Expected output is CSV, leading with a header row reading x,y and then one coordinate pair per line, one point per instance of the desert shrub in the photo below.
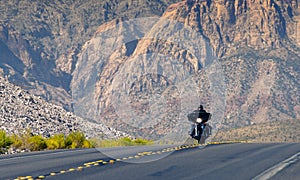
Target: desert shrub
x,y
75,140
125,141
37,143
140,141
5,140
94,142
27,140
16,141
87,144
56,142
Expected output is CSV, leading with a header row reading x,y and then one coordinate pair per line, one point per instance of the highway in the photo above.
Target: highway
x,y
225,161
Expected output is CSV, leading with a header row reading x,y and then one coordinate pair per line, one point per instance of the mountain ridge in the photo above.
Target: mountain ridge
x,y
256,44
260,74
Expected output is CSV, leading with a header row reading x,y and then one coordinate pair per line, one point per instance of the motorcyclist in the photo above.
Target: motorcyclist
x,y
194,126
201,109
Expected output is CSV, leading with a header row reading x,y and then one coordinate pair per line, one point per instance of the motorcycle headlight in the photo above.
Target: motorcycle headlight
x,y
199,120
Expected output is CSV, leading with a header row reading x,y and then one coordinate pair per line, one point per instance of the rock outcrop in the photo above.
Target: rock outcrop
x,y
138,72
231,25
140,75
46,37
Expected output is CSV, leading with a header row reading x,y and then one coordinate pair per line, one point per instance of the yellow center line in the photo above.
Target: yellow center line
x,y
138,155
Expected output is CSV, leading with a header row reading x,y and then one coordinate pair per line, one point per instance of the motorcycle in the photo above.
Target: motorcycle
x,y
200,129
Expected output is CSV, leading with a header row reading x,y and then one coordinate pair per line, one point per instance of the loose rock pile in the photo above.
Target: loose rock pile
x,y
20,110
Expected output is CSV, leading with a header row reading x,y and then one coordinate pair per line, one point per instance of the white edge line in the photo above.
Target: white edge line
x,y
42,154
267,174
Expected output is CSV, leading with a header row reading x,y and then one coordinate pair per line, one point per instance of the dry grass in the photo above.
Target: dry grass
x,y
279,131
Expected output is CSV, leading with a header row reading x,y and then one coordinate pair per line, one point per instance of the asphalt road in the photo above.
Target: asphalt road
x,y
227,161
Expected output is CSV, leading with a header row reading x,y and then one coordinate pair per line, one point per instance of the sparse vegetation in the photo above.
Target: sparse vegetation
x,y
56,142
5,141
77,140
126,141
37,143
28,141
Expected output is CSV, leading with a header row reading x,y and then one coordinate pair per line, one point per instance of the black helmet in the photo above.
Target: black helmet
x,y
201,107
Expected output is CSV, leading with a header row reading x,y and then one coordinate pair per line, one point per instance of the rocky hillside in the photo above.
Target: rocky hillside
x,y
39,41
143,80
240,58
21,110
212,52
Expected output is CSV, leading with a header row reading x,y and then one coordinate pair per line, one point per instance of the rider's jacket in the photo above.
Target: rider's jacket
x,y
199,114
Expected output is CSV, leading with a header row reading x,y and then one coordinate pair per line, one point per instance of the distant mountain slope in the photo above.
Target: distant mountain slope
x,y
257,43
46,36
243,57
260,66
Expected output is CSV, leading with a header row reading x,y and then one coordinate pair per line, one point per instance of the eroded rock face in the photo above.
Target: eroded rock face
x,y
230,25
24,66
141,75
258,45
42,39
258,90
